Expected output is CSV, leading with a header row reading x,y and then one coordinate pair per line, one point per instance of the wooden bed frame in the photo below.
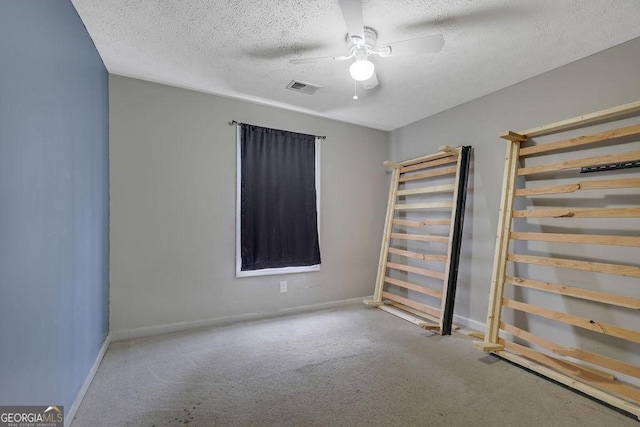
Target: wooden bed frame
x,y
587,371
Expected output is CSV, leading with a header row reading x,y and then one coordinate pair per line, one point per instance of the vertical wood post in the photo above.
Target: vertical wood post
x,y
388,226
502,240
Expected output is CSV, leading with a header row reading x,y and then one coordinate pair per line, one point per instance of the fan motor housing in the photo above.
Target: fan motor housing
x,y
370,38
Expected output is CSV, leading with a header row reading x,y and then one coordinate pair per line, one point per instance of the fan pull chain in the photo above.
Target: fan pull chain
x,y
355,90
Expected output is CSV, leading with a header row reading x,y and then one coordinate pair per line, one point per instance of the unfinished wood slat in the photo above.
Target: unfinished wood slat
x,y
583,185
581,140
426,205
427,190
584,120
555,189
578,213
417,288
423,257
570,319
420,237
445,151
413,304
414,311
597,359
549,346
574,370
429,164
590,239
567,380
595,267
403,315
417,270
514,137
577,163
424,175
610,183
586,294
391,164
425,223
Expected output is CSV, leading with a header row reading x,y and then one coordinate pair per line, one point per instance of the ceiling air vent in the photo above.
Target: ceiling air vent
x,y
307,88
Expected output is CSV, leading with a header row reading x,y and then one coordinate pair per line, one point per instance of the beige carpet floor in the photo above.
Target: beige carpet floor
x,y
353,366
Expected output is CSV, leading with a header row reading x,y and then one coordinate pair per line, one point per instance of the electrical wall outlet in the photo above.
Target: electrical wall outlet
x,y
283,286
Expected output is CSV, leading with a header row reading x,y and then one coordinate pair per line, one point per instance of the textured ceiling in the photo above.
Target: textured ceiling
x,y
242,48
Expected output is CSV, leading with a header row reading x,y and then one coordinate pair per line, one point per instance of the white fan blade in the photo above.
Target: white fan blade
x,y
418,46
352,14
371,83
318,58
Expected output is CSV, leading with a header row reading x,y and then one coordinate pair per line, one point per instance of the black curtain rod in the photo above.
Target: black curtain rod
x,y
235,123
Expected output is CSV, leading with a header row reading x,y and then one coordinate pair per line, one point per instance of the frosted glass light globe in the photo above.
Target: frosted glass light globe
x,y
361,70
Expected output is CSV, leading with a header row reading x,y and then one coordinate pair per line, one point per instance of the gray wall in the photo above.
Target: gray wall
x,y
54,243
604,80
173,209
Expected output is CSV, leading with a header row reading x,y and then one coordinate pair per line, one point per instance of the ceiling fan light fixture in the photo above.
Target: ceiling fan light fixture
x,y
361,70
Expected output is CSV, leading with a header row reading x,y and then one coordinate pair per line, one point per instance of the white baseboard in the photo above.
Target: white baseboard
x,y
71,413
183,326
469,324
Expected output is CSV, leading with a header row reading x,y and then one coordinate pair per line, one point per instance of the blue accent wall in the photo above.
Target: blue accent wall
x,y
54,203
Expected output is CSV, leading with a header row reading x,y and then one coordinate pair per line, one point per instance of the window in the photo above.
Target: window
x,y
277,206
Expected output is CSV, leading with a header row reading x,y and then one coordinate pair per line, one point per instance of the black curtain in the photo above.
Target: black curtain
x,y
278,219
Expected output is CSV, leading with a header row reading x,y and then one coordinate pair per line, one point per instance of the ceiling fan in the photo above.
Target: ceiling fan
x,y
361,43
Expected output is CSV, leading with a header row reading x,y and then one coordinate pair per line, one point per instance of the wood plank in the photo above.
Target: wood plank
x,y
412,269
403,315
597,359
391,164
372,302
431,174
583,185
581,386
570,291
514,137
577,163
384,247
578,213
590,239
416,255
417,288
425,223
574,370
487,346
452,151
581,140
429,164
610,183
594,267
549,346
552,189
426,190
414,311
584,120
413,304
426,205
502,243
442,153
420,237
475,334
570,319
